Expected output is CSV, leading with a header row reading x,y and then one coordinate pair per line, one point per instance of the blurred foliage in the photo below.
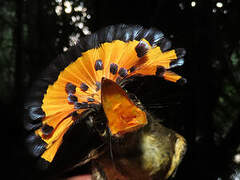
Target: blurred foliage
x,y
7,51
226,112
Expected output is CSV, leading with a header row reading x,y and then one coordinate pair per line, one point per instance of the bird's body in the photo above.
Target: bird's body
x,y
154,152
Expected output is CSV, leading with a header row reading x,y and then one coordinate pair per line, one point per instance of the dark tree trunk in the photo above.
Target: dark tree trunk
x,y
33,20
19,54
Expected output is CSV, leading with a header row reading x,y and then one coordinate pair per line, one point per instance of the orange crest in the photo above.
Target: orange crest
x,y
72,83
122,114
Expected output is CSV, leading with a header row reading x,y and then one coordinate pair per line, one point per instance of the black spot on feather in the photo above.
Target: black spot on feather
x,y
113,68
160,71
165,44
177,62
142,48
83,87
182,81
122,72
46,129
70,88
32,125
98,65
132,69
36,113
72,98
36,145
180,52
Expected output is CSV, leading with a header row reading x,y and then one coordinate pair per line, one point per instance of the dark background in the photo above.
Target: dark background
x,y
33,32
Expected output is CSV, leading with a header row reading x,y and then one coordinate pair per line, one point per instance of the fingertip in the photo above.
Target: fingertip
x,y
81,177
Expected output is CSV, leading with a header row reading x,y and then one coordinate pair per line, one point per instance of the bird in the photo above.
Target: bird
x,y
82,94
